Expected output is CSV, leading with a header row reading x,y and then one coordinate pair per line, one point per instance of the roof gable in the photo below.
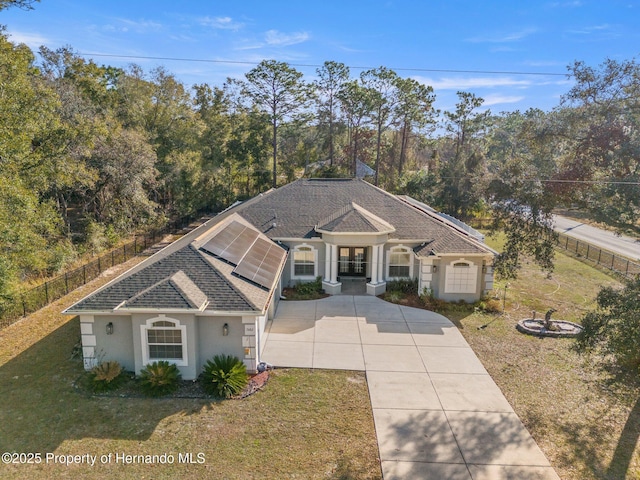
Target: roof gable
x,y
295,210
176,291
185,277
353,219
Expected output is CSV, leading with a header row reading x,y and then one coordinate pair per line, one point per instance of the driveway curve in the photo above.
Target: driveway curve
x,y
437,412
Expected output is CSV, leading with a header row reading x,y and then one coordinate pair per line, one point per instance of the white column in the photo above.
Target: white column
x,y
380,264
327,262
374,264
334,263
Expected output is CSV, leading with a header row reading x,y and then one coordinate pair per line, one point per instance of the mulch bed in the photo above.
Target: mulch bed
x,y
187,388
256,383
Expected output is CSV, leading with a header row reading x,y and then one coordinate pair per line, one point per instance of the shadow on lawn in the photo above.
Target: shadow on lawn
x,y
623,455
592,439
41,408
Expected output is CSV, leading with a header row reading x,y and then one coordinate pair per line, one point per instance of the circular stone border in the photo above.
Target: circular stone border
x,y
532,326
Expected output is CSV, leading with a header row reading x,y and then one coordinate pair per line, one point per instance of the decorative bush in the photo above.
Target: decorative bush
x,y
106,376
490,305
224,376
430,301
159,378
309,288
403,285
393,296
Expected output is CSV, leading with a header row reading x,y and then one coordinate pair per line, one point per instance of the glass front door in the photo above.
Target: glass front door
x,y
352,261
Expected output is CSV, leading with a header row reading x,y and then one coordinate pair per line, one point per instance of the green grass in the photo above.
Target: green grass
x,y
304,424
583,413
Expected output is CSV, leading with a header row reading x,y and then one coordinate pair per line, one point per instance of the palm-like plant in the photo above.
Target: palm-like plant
x,y
224,376
106,376
159,378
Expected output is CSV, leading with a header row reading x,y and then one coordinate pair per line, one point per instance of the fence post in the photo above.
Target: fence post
x,y
46,292
626,272
99,265
66,283
599,255
135,244
577,244
588,251
566,244
24,307
613,260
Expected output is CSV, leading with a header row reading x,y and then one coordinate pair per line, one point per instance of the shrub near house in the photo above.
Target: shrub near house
x,y
212,291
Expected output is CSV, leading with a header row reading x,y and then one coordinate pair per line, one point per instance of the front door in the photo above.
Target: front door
x,y
352,261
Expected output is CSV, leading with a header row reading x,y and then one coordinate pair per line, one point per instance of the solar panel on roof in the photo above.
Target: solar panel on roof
x,y
261,263
231,242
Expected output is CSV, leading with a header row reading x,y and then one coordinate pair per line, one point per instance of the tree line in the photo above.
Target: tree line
x,y
91,153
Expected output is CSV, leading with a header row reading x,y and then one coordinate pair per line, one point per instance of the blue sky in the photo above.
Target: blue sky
x,y
414,37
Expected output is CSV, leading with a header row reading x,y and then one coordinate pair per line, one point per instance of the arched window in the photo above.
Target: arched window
x,y
461,277
305,264
164,339
400,264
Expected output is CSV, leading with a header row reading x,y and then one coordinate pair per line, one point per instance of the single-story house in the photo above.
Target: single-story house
x,y
213,290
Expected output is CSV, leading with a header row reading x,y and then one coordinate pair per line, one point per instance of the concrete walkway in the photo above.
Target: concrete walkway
x,y
437,412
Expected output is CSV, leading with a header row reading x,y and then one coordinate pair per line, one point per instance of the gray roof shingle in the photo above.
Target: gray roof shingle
x,y
143,290
293,211
176,291
351,219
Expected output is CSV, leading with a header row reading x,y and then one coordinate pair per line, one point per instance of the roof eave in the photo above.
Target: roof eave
x,y
382,232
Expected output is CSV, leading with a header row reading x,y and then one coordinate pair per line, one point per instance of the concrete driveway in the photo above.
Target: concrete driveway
x,y
437,412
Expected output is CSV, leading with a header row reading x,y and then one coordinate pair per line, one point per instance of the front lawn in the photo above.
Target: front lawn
x,y
304,424
584,414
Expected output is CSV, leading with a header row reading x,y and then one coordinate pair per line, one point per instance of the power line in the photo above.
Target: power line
x,y
551,180
595,182
405,69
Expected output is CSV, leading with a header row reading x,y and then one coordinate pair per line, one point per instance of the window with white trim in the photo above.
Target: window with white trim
x,y
461,277
305,262
164,339
400,263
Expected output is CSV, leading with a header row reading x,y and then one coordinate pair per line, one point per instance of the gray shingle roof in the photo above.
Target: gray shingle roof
x,y
292,211
176,291
351,219
142,289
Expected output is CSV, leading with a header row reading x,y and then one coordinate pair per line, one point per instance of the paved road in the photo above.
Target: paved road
x,y
622,245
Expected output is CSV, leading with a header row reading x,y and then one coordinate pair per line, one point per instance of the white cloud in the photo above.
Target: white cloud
x,y
31,40
247,45
593,29
500,99
222,23
274,37
544,63
138,26
503,37
465,83
571,4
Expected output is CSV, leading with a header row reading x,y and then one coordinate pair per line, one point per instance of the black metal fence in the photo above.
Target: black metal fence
x,y
586,251
38,297
599,256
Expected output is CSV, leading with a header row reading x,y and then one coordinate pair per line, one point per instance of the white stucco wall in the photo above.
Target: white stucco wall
x,y
117,346
211,341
